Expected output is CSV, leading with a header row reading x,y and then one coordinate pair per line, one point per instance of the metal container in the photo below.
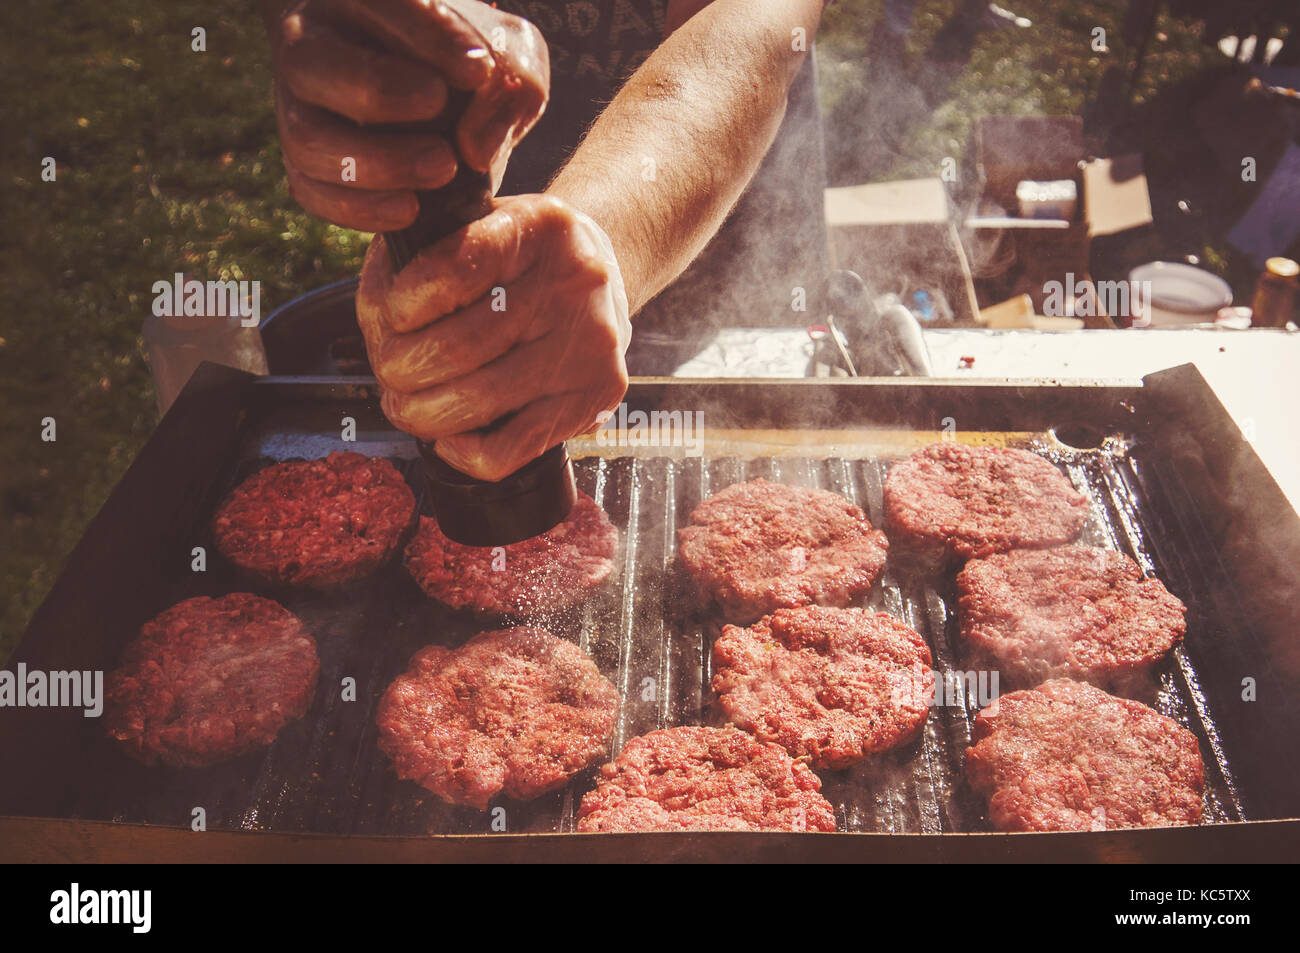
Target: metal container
x,y
1277,294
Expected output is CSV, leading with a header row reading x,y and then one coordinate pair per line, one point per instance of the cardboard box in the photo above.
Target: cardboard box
x,y
1113,198
1115,195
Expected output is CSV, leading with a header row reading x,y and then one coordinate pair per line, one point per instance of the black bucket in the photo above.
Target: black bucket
x,y
316,335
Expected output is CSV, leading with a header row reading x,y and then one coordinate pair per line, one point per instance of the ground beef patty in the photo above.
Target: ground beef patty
x,y
1068,757
316,523
515,711
547,572
705,779
949,502
829,685
1075,611
760,546
209,679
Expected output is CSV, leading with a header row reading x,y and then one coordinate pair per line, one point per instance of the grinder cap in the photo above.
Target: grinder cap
x,y
527,503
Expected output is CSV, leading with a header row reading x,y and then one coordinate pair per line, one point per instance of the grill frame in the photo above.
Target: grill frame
x,y
188,464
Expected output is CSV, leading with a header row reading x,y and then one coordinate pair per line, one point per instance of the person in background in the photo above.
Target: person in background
x,y
608,234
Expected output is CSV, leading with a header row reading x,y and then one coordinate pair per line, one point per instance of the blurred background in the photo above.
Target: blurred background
x,y
167,161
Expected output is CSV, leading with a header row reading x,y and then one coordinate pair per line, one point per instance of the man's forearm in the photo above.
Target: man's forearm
x,y
668,158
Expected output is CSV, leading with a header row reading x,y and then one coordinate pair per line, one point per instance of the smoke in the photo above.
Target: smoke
x,y
765,266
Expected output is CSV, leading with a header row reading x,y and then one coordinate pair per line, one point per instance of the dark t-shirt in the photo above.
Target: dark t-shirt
x,y
774,240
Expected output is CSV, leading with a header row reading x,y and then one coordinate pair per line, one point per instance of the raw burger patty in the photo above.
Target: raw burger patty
x,y
829,685
1068,757
760,546
1076,611
316,523
705,779
547,572
950,502
515,711
210,679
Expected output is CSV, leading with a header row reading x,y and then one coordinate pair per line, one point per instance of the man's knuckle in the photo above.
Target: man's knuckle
x,y
288,33
556,211
597,270
387,379
605,336
445,358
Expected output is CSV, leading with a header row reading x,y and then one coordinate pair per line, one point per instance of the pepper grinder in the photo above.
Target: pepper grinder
x,y
539,494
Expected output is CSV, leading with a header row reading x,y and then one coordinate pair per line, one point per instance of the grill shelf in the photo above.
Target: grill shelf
x,y
649,635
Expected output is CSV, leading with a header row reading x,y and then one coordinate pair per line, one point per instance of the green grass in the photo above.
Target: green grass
x,y
167,161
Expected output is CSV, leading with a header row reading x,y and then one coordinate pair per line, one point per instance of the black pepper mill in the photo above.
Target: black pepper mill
x,y
539,494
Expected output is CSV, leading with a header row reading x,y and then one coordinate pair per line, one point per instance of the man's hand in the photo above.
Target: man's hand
x,y
344,67
521,315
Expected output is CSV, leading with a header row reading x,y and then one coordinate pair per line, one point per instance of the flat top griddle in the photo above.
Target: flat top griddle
x,y
648,631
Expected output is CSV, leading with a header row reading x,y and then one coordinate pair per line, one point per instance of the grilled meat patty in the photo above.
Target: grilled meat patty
x,y
209,679
1075,611
556,569
515,712
315,523
1067,756
828,685
705,779
761,546
949,502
